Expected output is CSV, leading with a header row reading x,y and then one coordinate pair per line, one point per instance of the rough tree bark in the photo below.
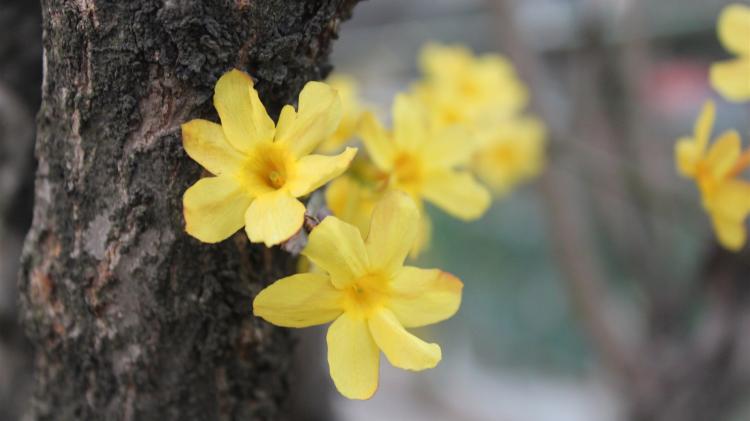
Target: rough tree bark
x,y
132,318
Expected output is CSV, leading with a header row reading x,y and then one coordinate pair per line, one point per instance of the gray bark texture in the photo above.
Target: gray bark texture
x,y
131,318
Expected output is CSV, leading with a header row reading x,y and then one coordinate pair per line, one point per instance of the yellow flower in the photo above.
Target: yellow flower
x,y
368,294
423,161
260,170
715,169
353,196
347,89
512,151
732,77
461,88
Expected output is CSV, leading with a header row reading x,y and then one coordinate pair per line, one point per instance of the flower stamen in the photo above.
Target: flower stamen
x,y
276,179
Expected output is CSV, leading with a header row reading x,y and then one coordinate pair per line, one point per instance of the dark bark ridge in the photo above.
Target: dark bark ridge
x,y
132,318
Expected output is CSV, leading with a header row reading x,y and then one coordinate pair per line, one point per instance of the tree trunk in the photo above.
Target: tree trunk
x,y
132,318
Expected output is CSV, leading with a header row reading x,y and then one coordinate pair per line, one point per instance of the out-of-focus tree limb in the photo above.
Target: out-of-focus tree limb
x,y
20,95
668,371
573,240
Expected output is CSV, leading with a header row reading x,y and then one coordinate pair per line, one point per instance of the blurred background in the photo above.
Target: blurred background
x,y
20,96
594,293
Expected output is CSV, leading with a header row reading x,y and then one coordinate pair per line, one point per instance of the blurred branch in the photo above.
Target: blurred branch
x,y
20,79
706,375
575,250
667,301
673,373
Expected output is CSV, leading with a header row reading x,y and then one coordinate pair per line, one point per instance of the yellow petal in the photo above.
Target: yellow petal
x,y
353,357
687,156
507,161
305,299
497,75
351,202
704,125
729,206
337,248
730,233
731,200
457,193
402,349
723,153
273,218
287,119
347,89
734,28
379,145
409,123
393,230
204,141
214,208
424,234
318,116
452,146
315,170
243,116
732,78
444,61
346,86
424,296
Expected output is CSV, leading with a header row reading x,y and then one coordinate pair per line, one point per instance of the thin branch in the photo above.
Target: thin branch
x,y
575,250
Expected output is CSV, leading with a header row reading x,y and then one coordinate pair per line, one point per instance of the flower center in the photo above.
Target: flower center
x,y
408,171
450,115
268,168
366,294
706,180
469,88
276,179
504,154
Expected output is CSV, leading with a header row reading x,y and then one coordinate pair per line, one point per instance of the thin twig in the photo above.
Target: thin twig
x,y
585,278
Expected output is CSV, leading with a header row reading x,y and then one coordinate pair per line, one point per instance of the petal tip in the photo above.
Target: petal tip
x,y
452,281
484,200
431,360
234,72
365,396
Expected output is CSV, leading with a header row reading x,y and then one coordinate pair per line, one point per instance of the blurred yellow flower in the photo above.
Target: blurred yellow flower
x,y
260,170
423,161
458,87
353,196
732,77
352,108
512,151
716,169
368,294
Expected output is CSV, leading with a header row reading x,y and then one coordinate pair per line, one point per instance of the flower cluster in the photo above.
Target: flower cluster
x,y
463,119
457,135
717,168
485,95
